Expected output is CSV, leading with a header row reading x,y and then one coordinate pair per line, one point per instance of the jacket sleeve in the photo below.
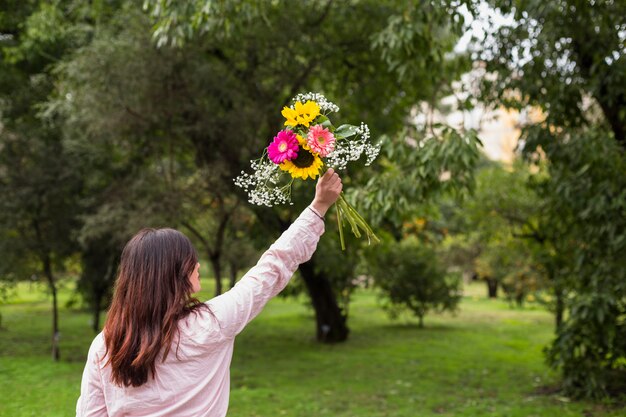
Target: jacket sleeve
x,y
237,307
91,401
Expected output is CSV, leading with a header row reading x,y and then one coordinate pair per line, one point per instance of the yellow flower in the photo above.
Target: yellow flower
x,y
306,165
301,114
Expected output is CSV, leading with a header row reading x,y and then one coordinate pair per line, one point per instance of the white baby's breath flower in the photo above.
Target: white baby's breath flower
x,y
351,149
325,105
261,184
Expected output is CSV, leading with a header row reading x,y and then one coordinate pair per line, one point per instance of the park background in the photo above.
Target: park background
x,y
499,195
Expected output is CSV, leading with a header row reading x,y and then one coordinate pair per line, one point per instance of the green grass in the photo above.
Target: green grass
x,y
485,361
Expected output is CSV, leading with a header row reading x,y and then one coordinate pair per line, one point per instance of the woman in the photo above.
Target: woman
x,y
162,352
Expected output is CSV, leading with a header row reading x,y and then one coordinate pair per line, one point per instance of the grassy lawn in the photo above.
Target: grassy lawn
x,y
485,361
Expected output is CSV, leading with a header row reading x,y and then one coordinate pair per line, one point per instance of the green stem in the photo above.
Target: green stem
x,y
357,222
340,225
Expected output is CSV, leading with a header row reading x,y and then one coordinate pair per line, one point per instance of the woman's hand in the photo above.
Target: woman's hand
x,y
327,191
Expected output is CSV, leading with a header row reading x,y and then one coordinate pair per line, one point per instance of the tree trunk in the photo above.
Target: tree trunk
x,y
217,273
214,252
519,299
492,287
233,274
421,322
96,313
330,321
216,259
56,354
560,307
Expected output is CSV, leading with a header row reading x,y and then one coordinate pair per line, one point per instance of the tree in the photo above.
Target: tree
x,y
555,57
209,210
497,233
586,197
566,58
99,261
411,277
39,207
511,264
139,172
38,182
240,253
220,90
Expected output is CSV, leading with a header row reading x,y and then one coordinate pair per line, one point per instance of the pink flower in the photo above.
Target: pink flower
x,y
320,140
284,147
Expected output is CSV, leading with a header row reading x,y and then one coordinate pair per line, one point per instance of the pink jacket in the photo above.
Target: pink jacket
x,y
197,382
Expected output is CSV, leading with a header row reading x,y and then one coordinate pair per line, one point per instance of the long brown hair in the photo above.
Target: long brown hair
x,y
152,293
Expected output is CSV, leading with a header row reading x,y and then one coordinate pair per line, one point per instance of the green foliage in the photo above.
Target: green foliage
x,y
177,23
417,167
414,45
214,99
157,131
496,233
64,192
411,278
587,197
555,56
99,262
511,262
38,180
566,59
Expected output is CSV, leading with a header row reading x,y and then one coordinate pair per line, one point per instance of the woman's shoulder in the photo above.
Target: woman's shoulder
x,y
200,325
97,342
97,349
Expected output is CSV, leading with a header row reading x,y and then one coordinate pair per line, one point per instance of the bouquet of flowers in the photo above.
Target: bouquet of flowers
x,y
309,145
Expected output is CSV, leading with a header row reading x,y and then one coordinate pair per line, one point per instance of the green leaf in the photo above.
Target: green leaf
x,y
324,121
345,131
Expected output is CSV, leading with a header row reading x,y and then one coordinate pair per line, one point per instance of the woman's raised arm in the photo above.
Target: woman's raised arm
x,y
237,307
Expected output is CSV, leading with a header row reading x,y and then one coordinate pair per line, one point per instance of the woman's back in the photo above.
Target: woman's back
x,y
125,374
194,380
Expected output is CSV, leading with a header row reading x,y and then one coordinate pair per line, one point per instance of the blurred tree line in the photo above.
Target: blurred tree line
x,y
122,114
117,116
567,58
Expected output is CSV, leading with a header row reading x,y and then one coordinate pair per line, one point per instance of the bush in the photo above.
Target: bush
x,y
411,278
585,197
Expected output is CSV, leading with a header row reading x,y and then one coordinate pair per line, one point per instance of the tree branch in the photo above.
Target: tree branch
x,y
197,234
322,16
